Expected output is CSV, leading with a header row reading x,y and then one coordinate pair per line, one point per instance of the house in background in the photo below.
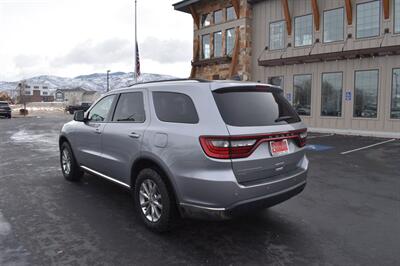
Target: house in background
x,y
76,96
36,93
338,61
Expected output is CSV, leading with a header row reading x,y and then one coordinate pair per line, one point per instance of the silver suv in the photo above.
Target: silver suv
x,y
191,148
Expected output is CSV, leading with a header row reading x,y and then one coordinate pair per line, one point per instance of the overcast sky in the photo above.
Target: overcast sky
x,y
74,37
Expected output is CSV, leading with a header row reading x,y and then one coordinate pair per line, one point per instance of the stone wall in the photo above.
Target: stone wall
x,y
220,68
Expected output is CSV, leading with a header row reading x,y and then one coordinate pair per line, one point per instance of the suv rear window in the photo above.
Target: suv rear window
x,y
175,108
254,106
3,104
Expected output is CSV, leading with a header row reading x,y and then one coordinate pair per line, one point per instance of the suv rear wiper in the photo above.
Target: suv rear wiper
x,y
283,118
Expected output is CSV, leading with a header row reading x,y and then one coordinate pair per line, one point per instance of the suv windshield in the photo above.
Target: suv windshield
x,y
254,106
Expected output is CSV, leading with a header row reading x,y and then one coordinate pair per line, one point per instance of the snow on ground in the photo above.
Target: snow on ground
x,y
40,107
32,137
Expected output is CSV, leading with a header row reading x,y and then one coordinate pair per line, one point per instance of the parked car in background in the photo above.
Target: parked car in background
x,y
73,108
5,109
190,148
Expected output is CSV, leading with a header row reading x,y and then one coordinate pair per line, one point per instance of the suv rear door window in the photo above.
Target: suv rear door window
x,y
253,106
175,108
130,108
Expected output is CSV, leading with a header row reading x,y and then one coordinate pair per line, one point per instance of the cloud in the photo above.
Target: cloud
x,y
27,61
166,51
97,54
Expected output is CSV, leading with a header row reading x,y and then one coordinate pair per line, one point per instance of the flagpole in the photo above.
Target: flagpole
x,y
136,49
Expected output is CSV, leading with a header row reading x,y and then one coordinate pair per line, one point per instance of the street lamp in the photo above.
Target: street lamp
x,y
108,80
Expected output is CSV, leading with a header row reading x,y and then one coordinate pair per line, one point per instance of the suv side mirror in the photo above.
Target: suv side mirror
x,y
79,116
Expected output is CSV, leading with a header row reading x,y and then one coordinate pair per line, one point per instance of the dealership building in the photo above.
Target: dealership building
x,y
338,61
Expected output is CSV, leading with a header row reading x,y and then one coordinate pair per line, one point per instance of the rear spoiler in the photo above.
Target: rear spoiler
x,y
252,88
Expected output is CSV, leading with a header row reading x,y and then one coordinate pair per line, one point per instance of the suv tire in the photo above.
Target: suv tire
x,y
69,166
154,202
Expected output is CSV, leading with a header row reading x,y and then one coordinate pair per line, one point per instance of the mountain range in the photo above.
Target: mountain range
x,y
95,82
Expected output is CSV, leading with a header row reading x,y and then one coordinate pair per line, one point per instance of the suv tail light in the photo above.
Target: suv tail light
x,y
233,147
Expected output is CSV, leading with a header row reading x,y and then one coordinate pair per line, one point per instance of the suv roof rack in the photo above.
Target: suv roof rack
x,y
168,80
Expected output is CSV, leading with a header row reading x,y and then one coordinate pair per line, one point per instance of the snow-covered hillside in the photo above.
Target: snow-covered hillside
x,y
97,81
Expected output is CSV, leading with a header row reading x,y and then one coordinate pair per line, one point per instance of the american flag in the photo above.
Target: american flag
x,y
137,67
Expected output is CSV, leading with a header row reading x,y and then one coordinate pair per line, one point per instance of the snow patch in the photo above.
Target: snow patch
x,y
5,227
24,136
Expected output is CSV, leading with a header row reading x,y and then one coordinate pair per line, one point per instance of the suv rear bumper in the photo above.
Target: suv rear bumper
x,y
288,187
5,113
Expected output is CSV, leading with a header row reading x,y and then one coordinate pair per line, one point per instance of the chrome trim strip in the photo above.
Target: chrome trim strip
x,y
201,207
106,177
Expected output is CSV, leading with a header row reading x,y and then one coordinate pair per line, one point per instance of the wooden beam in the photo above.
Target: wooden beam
x,y
195,16
349,12
316,15
235,55
288,19
196,56
386,4
236,6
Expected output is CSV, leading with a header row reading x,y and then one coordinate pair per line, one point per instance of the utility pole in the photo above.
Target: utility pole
x,y
108,80
135,43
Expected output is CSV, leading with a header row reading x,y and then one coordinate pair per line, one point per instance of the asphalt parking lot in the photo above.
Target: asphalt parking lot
x,y
349,213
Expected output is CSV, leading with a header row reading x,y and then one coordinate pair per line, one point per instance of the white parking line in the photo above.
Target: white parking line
x,y
369,146
320,136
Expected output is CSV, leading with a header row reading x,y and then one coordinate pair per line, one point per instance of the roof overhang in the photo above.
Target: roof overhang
x,y
184,5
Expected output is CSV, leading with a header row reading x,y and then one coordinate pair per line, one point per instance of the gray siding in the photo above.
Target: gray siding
x,y
269,11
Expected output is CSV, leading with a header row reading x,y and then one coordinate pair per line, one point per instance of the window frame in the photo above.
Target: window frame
x,y
391,96
226,14
214,46
292,102
222,16
211,19
341,96
377,94
323,25
174,122
202,46
312,31
284,34
110,112
394,18
380,16
226,41
116,105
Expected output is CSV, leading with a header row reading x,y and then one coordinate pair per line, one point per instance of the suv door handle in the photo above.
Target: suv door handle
x,y
134,135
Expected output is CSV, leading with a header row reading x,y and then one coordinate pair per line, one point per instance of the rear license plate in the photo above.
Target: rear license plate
x,y
279,147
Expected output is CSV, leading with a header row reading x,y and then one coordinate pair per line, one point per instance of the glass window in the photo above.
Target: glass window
x,y
303,29
218,17
230,13
205,40
366,94
397,16
206,20
130,108
277,81
302,94
101,110
263,107
334,25
218,44
230,41
331,94
175,107
395,107
45,93
277,35
368,19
